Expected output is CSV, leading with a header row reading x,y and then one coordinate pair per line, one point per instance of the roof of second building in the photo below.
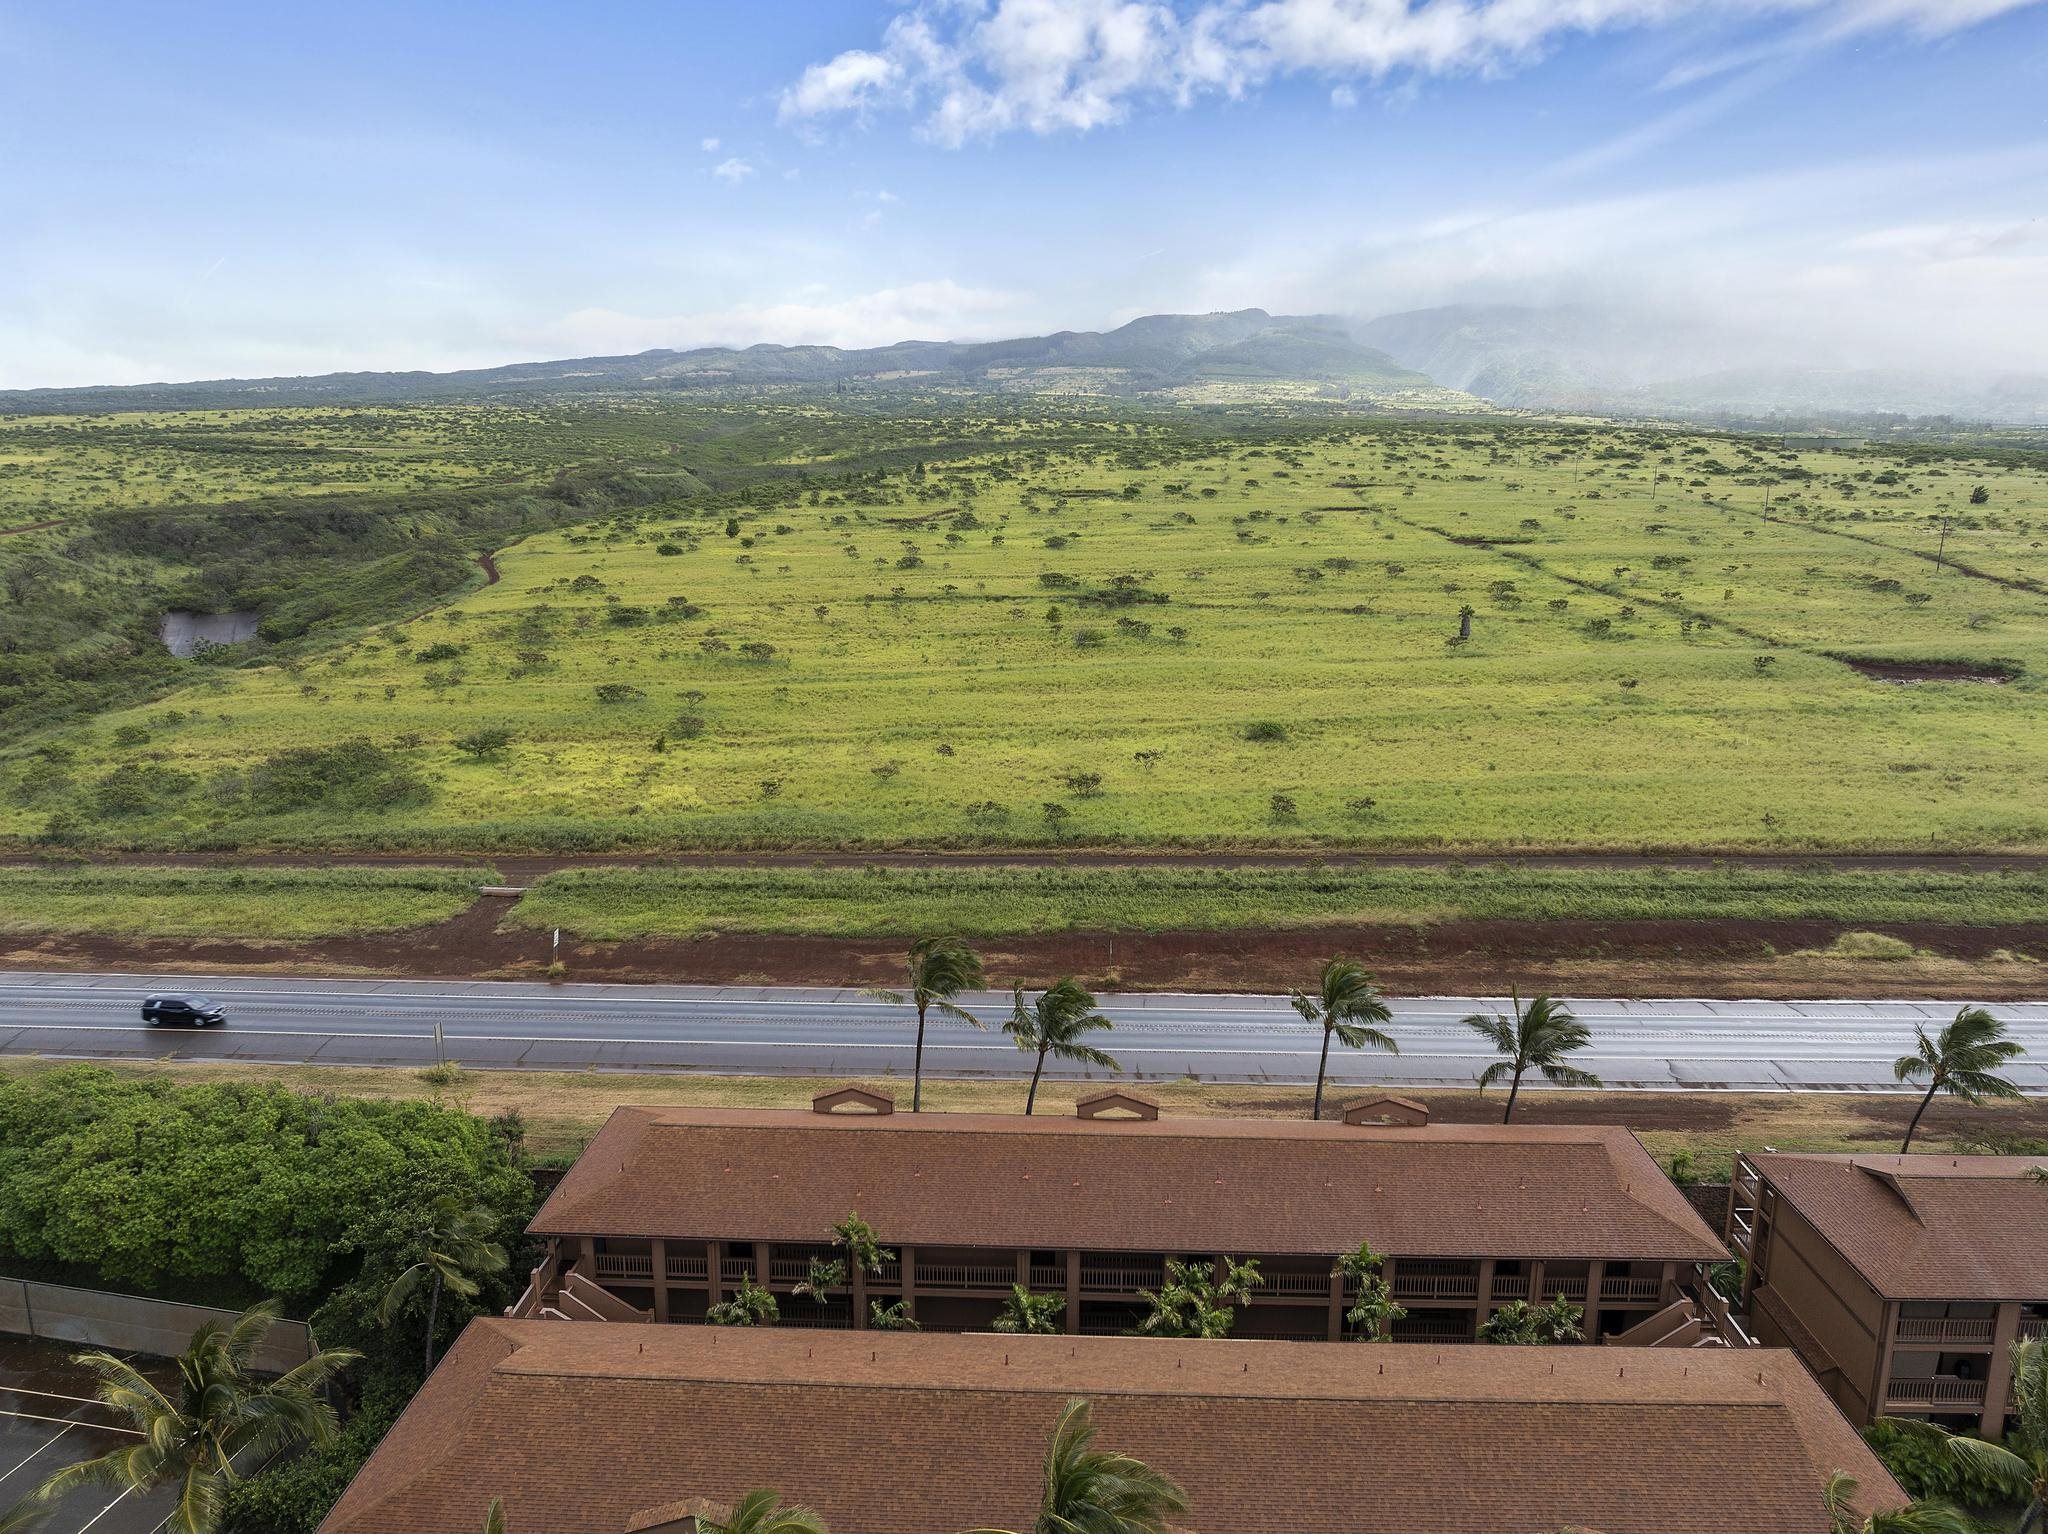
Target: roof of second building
x,y
1926,1227
589,1428
1186,1184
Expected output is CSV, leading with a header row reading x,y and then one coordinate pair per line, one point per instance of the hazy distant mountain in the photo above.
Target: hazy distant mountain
x,y
1610,361
1156,352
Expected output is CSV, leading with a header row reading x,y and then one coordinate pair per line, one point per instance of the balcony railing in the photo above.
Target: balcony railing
x,y
624,1265
1510,1286
733,1269
1631,1291
1120,1280
965,1275
1968,1331
788,1270
1436,1286
2033,1328
1573,1289
1048,1275
1316,1284
1940,1390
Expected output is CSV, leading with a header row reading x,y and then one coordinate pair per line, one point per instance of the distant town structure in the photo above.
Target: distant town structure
x,y
1818,442
603,1429
670,1210
1903,1281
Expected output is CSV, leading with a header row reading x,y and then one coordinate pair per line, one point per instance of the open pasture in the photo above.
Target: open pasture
x,y
1148,639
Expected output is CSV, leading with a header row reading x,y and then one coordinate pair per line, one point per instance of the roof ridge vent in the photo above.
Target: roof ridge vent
x,y
1117,1102
853,1101
1386,1108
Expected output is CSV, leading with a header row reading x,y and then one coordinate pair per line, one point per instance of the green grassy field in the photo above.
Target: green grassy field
x,y
623,903
1143,639
281,903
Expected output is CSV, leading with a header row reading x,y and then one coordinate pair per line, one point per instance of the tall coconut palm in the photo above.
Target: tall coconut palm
x,y
939,968
1537,1037
1962,1062
1345,1004
220,1414
760,1512
1053,1025
458,1254
2021,1462
1838,1498
1098,1491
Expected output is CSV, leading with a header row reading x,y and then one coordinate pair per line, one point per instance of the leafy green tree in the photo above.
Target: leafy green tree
x,y
1347,1005
1197,1301
2020,1464
1838,1498
750,1305
1373,1314
483,743
760,1512
1962,1061
1537,1037
1099,1491
1038,1314
1526,1325
860,1249
457,1252
1054,1025
221,1413
939,969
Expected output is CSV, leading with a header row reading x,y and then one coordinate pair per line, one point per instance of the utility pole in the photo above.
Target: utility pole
x,y
1941,548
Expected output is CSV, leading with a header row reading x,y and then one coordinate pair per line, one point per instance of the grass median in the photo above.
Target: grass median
x,y
631,903
256,903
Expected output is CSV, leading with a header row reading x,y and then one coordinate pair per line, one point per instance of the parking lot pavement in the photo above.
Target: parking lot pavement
x,y
48,1419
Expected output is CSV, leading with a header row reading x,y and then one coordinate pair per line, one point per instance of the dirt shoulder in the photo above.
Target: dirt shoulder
x,y
1639,958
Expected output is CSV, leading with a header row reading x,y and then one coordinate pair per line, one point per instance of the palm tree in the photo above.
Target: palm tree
x,y
1196,1300
1374,1314
1539,1035
1963,1062
2021,1462
749,1305
1098,1491
1913,1518
220,1413
940,968
494,1520
25,1515
1024,1311
760,1512
1345,1003
459,1250
1053,1025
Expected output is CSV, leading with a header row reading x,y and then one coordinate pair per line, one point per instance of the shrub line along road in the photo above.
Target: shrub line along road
x,y
1659,1045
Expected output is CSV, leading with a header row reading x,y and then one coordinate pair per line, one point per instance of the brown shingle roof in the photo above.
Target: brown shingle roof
x,y
578,1427
1197,1185
1926,1227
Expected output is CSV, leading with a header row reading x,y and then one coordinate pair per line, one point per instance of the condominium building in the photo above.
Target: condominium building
x,y
1903,1281
671,1209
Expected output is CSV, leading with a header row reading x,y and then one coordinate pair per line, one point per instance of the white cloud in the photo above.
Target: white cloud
x,y
941,310
975,68
734,170
709,145
1343,98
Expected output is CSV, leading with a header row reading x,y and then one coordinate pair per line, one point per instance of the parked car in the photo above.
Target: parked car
x,y
188,1011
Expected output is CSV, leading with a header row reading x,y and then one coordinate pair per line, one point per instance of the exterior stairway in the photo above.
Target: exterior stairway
x,y
562,1294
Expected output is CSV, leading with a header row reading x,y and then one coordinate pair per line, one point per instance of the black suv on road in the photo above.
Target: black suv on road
x,y
192,1011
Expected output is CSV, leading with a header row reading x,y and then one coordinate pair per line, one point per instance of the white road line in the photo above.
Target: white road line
x,y
38,1450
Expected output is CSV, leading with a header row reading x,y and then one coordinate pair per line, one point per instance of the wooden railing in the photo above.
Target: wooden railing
x,y
733,1269
1120,1280
965,1275
1966,1330
1510,1286
624,1266
1048,1275
686,1269
1315,1284
2033,1328
1436,1286
1631,1291
1573,1289
1941,1390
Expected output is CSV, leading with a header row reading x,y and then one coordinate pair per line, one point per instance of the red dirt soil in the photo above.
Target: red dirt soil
x,y
1639,958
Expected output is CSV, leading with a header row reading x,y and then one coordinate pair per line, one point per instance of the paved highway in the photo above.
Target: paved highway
x,y
736,1030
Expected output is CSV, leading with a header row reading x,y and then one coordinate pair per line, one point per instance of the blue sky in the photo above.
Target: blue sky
x,y
249,189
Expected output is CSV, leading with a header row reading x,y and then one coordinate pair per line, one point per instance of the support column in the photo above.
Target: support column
x,y
586,1261
660,1280
1887,1345
1596,1273
910,1282
763,1253
1024,1266
1483,1310
1336,1327
860,1295
714,1272
1536,1281
1073,1289
2005,1331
